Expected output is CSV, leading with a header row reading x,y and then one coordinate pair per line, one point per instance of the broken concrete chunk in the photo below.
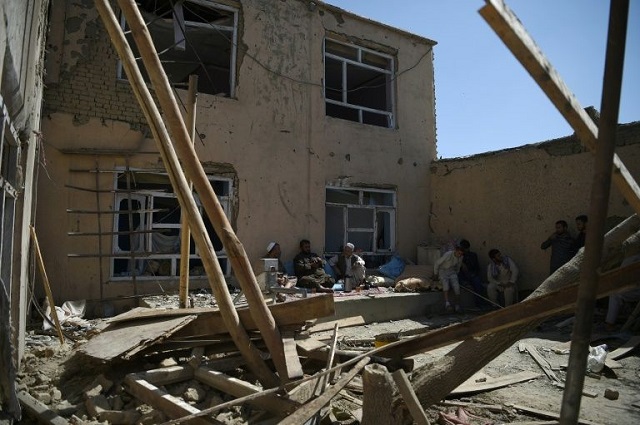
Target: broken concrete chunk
x,y
194,393
43,397
168,362
611,394
96,405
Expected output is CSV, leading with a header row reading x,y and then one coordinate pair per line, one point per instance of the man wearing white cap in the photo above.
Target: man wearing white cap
x,y
348,264
274,251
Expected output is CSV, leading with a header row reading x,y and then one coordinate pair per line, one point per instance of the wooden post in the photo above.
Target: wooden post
x,y
214,210
45,279
216,278
599,203
185,235
378,392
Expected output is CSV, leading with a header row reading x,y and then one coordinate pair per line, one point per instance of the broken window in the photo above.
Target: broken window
x,y
9,152
364,217
147,226
358,84
192,37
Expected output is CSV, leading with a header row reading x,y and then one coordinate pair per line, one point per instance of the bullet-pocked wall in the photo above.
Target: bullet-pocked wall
x,y
297,96
511,199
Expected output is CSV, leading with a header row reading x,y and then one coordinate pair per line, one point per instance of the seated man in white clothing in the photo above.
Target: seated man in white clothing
x,y
348,264
502,274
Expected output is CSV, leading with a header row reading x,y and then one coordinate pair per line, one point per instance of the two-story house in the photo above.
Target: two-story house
x,y
311,122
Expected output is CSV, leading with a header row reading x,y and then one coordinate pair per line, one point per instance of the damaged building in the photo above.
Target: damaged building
x,y
310,123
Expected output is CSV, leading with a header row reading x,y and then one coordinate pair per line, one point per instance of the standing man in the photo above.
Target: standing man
x,y
447,268
502,274
581,226
470,271
348,264
309,269
562,246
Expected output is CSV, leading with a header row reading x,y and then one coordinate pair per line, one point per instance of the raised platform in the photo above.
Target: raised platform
x,y
377,306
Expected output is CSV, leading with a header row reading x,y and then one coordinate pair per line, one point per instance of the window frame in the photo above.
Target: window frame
x,y
390,208
147,198
358,62
120,74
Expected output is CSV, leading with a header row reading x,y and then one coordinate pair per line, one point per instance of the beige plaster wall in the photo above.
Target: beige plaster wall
x,y
274,135
511,199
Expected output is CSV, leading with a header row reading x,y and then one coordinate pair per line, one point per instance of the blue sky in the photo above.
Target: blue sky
x,y
485,100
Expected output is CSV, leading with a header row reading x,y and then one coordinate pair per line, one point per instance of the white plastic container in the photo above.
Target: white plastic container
x,y
596,359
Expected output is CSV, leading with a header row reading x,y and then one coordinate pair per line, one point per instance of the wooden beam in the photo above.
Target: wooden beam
x,y
507,26
410,398
182,143
181,187
167,375
47,287
185,235
307,411
536,308
625,348
543,363
41,411
547,414
238,388
171,406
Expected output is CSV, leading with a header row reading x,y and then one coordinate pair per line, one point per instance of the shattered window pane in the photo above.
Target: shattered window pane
x,y
193,38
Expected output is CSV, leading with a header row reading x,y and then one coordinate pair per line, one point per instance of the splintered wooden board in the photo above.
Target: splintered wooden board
x,y
126,339
471,386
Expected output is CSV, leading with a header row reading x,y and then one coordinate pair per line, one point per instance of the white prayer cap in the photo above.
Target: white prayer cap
x,y
350,245
271,245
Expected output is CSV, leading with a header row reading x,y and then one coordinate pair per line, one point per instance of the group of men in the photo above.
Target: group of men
x,y
461,266
309,267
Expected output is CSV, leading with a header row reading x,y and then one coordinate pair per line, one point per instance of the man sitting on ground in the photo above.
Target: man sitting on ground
x,y
348,265
309,269
502,273
274,251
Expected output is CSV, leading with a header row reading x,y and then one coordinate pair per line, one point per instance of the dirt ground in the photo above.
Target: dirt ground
x,y
59,378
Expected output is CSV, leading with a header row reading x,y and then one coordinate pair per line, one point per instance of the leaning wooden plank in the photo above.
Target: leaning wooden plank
x,y
546,414
293,361
176,175
285,314
525,312
307,411
127,339
171,406
515,37
238,388
41,411
624,348
470,386
413,404
195,171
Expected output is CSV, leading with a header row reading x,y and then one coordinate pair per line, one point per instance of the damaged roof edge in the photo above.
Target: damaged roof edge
x,y
545,145
335,9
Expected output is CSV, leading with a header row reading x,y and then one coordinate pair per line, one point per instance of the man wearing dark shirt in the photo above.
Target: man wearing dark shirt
x,y
581,226
562,246
470,271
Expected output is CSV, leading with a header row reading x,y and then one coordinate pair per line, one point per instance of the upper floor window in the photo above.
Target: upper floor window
x,y
192,37
147,226
358,84
364,217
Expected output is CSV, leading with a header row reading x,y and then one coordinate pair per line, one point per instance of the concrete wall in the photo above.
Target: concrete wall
x,y
511,199
274,134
